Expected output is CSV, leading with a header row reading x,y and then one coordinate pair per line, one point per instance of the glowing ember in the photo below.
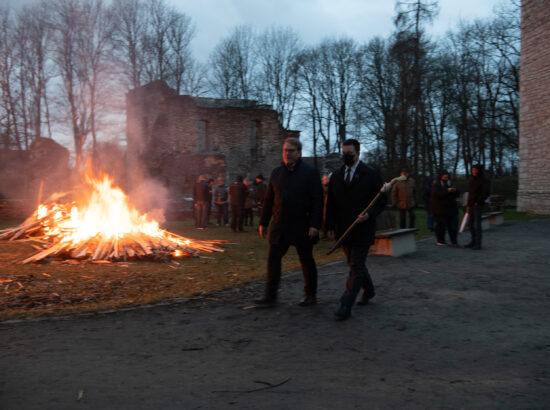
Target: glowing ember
x,y
103,226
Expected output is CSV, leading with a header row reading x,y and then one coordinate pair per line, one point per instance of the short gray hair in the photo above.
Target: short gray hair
x,y
294,141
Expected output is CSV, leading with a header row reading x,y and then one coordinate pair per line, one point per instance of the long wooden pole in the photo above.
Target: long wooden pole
x,y
386,187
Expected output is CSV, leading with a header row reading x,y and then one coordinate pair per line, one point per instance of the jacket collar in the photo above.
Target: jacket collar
x,y
294,166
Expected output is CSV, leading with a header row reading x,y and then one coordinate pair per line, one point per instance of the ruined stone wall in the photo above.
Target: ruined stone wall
x,y
163,130
534,139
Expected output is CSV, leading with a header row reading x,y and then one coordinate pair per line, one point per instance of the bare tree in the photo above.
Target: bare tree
x,y
194,79
339,83
277,50
410,50
155,43
129,23
9,114
233,64
180,33
94,62
378,76
312,106
65,20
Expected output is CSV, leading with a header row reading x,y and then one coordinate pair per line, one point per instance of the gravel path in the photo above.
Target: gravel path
x,y
449,328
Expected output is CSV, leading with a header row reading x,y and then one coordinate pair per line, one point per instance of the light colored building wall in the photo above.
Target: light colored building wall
x,y
534,136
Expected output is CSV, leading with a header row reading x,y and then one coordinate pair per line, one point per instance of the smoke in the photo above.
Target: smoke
x,y
150,197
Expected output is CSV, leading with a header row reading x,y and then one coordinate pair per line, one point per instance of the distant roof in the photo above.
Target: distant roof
x,y
223,103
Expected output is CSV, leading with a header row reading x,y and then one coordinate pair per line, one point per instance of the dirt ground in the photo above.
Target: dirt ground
x,y
449,328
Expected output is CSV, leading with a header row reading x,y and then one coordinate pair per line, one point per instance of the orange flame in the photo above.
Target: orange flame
x,y
104,225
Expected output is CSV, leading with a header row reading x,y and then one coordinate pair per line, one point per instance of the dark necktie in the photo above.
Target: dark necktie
x,y
348,176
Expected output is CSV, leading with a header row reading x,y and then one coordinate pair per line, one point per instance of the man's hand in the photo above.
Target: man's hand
x,y
313,232
362,218
386,187
262,230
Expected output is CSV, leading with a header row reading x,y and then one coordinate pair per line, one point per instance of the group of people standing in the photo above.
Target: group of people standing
x,y
444,206
441,198
237,200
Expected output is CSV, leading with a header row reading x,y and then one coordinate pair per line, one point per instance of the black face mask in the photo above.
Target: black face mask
x,y
348,158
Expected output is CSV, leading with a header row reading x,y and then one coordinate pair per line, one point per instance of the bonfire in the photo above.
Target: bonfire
x,y
100,226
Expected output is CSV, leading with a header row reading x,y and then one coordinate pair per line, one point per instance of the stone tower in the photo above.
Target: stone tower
x,y
534,124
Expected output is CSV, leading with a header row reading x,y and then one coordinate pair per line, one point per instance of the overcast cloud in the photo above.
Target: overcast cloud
x,y
314,19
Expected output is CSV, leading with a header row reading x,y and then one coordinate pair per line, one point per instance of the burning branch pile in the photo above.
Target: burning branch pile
x,y
102,226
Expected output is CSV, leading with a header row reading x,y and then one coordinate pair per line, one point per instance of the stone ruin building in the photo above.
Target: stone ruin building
x,y
45,164
176,138
534,125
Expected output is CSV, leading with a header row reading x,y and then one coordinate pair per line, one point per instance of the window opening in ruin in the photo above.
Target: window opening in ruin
x,y
255,128
204,138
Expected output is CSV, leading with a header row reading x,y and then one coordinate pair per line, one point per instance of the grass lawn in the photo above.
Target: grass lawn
x,y
49,288
39,289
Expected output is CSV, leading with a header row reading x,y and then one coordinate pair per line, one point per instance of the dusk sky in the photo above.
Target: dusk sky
x,y
312,19
315,19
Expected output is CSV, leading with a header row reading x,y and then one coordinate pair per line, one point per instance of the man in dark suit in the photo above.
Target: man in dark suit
x,y
351,189
294,198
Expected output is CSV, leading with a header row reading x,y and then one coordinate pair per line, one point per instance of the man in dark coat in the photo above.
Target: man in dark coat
x,y
294,199
201,199
478,192
237,195
351,189
445,208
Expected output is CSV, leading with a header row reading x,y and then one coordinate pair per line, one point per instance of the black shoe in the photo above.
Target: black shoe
x,y
476,247
308,301
364,299
265,302
343,312
470,245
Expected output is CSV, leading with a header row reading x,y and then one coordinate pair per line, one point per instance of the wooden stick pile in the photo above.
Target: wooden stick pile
x,y
49,243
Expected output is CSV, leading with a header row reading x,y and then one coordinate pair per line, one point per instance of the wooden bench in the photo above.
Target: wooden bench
x,y
496,218
394,243
485,222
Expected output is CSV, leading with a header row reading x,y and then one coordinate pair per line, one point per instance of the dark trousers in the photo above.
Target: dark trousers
x,y
237,217
358,277
248,217
201,215
403,218
431,221
475,224
449,223
274,262
222,214
260,208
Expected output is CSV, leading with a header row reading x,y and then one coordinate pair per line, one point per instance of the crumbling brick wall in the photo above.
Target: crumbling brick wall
x,y
176,138
534,139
